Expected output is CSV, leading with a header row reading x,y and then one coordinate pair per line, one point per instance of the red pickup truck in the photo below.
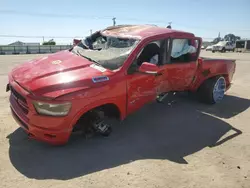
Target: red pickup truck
x,y
111,73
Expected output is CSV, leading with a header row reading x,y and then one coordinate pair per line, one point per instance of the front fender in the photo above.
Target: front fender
x,y
118,103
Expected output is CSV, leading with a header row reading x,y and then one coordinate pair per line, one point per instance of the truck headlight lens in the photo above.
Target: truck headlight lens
x,y
52,109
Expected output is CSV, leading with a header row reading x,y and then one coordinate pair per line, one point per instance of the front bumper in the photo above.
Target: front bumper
x,y
53,130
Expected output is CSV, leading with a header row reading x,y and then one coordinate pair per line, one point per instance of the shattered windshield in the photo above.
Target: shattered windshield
x,y
108,51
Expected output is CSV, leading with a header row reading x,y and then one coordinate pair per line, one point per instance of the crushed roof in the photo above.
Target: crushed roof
x,y
139,31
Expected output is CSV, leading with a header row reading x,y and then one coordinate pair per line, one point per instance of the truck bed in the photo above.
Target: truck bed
x,y
216,59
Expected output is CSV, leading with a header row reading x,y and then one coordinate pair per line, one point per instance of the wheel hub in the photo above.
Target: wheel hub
x,y
102,128
219,89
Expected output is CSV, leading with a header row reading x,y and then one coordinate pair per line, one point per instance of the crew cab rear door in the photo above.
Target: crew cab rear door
x,y
180,71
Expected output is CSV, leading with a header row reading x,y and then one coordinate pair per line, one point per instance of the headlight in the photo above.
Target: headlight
x,y
52,109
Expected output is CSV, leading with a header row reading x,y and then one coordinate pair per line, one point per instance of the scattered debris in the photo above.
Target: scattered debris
x,y
238,167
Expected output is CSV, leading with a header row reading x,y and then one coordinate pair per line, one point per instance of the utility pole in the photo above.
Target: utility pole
x,y
43,39
114,22
90,31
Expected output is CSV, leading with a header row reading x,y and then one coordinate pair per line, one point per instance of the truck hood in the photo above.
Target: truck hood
x,y
57,74
217,45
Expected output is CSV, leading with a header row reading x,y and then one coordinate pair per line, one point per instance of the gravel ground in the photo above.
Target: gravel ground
x,y
188,145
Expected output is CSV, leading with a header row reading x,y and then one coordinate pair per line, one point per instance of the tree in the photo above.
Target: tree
x,y
231,37
216,40
50,42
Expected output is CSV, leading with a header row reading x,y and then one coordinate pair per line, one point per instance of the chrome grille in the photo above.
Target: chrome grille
x,y
20,100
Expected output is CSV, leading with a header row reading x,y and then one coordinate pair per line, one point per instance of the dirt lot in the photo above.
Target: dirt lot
x,y
186,144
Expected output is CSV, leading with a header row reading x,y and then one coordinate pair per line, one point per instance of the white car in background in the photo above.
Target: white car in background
x,y
209,48
223,46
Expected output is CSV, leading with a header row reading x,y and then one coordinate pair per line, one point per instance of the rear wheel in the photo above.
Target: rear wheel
x,y
212,90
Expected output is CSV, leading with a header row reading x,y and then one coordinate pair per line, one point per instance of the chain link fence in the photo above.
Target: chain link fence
x,y
32,49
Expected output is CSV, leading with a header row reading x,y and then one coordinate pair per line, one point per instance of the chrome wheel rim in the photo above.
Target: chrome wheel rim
x,y
219,89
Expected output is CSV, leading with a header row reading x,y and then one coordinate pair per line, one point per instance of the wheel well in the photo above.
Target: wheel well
x,y
109,110
224,75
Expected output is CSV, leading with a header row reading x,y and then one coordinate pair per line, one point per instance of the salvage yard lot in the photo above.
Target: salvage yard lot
x,y
176,144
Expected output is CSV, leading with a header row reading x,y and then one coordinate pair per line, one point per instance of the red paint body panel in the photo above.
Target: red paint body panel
x,y
214,67
65,77
43,78
144,32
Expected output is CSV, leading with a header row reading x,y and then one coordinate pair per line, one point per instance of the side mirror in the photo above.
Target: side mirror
x,y
149,68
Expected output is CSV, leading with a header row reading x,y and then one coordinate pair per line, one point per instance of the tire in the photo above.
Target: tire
x,y
213,51
212,91
223,50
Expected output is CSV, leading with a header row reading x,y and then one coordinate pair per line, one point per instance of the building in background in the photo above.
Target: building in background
x,y
242,45
19,43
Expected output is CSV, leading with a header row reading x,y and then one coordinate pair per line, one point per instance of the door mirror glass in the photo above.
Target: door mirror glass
x,y
148,68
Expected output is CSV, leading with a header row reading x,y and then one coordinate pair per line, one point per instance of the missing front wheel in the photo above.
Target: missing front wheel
x,y
93,123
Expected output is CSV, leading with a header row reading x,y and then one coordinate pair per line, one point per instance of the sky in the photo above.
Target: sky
x,y
68,19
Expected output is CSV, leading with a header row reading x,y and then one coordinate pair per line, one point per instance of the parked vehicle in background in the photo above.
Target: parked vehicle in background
x,y
242,46
111,74
202,47
223,46
209,48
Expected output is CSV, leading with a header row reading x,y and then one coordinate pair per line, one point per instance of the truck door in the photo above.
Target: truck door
x,y
181,63
142,88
